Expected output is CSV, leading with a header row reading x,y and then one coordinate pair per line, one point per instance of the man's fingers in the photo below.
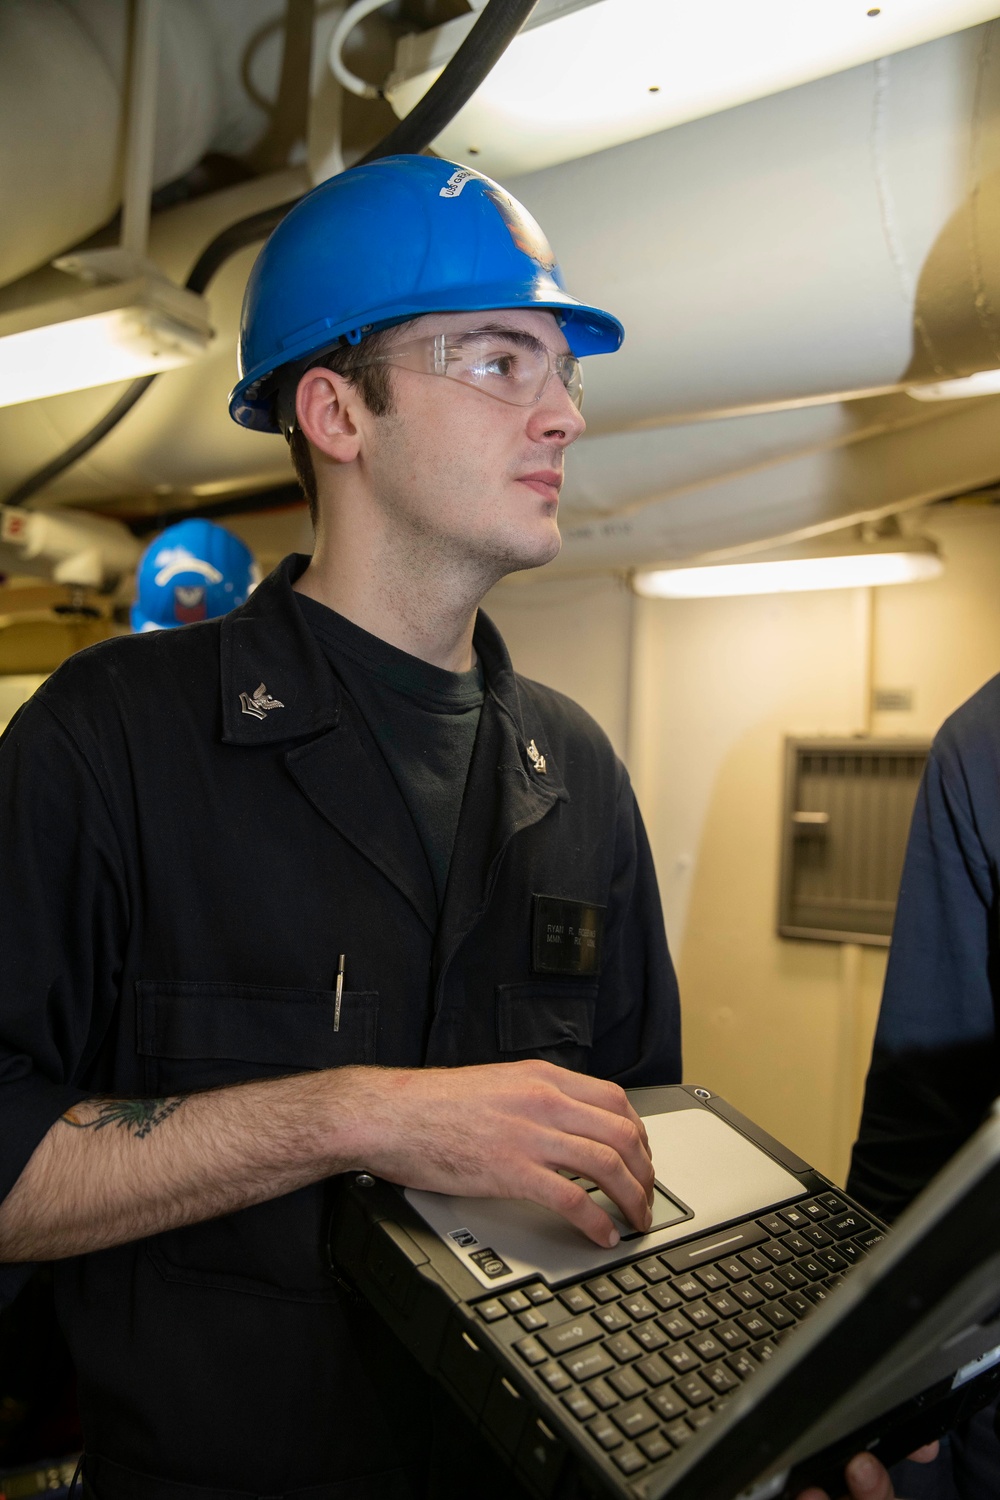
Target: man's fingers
x,y
574,1204
867,1479
597,1092
925,1455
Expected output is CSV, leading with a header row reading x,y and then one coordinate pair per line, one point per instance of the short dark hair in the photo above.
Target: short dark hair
x,y
373,383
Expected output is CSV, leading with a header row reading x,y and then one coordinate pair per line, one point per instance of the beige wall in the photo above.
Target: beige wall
x,y
709,689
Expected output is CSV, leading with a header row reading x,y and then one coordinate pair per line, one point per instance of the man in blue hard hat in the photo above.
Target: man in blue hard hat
x,y
296,891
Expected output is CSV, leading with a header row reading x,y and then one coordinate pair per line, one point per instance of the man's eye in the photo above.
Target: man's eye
x,y
499,364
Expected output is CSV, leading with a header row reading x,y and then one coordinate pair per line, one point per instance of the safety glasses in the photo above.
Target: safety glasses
x,y
506,363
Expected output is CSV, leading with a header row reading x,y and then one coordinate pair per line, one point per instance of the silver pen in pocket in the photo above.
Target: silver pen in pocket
x,y
339,993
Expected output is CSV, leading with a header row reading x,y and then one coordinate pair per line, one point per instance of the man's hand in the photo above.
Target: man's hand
x,y
867,1479
502,1130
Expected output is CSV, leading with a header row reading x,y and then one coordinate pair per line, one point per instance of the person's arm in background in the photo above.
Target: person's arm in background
x,y
935,1066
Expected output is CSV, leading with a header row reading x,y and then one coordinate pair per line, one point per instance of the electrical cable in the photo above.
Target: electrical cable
x,y
496,28
353,16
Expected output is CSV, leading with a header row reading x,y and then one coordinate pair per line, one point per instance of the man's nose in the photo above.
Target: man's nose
x,y
556,418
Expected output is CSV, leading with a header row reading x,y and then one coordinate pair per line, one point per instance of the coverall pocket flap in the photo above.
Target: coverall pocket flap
x,y
272,1026
545,1015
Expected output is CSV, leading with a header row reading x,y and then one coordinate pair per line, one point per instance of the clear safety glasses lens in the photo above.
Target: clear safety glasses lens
x,y
513,367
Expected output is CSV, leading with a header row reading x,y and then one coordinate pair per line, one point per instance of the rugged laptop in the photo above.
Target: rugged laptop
x,y
762,1331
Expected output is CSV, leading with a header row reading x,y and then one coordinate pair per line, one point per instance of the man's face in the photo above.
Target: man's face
x,y
474,477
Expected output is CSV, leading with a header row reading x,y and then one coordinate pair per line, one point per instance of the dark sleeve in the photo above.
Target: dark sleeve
x,y
643,1046
934,1068
62,916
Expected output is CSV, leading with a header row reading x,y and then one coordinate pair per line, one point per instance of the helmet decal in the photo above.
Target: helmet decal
x,y
525,231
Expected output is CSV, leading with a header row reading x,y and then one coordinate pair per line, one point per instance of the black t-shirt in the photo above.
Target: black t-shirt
x,y
423,719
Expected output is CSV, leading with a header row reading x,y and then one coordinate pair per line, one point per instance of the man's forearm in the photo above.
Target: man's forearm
x,y
113,1170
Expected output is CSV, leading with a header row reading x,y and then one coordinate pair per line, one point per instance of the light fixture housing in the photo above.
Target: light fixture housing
x,y
982,383
839,564
583,75
117,330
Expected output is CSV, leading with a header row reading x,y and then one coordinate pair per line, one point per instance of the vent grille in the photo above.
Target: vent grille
x,y
847,811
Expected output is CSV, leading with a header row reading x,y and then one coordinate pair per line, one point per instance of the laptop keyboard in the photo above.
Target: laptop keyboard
x,y
642,1356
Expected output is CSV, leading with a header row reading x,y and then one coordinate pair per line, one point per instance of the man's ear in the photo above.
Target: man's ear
x,y
326,408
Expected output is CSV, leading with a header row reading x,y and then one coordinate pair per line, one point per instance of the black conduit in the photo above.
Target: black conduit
x,y
486,43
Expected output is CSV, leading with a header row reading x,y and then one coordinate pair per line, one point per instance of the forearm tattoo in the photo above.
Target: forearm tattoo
x,y
139,1117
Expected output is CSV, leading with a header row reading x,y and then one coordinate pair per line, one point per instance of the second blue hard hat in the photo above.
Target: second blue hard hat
x,y
192,571
393,240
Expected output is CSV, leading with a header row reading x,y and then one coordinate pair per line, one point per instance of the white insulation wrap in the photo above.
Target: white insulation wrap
x,y
840,238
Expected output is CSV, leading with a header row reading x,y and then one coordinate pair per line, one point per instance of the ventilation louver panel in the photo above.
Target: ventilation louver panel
x,y
847,811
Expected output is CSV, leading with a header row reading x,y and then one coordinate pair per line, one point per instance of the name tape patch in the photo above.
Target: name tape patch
x,y
567,937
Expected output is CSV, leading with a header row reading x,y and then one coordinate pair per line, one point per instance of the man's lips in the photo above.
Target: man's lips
x,y
545,482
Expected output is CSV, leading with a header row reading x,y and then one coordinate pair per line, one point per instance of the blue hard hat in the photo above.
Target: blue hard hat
x,y
192,571
389,241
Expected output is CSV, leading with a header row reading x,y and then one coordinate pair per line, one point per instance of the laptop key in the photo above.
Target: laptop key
x,y
831,1202
532,1319
634,1418
724,1304
700,1314
869,1239
492,1310
734,1269
794,1218
588,1363
731,1335
765,1350
847,1224
719,1378
538,1294
654,1370
650,1337
655,1445
602,1289
566,1336
576,1300
768,1286
675,1324
850,1251
747,1294
777,1251
796,1243
639,1306
815,1210
515,1302
707,1346
623,1346
778,1315
810,1267
754,1324
687,1287
629,1279
678,1432
652,1268
612,1318
531,1350
668,1404
629,1459
772,1224
742,1364
756,1260
818,1236
793,1277
556,1379
604,1431
693,1389
701,1416
664,1296
627,1383
601,1394
682,1359
797,1304
712,1278
580,1405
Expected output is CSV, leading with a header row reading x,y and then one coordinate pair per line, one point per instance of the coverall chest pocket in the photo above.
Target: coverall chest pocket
x,y
548,1018
195,1036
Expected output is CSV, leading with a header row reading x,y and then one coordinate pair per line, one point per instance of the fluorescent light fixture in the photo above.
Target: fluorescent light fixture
x,y
982,383
790,570
583,75
111,332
